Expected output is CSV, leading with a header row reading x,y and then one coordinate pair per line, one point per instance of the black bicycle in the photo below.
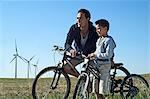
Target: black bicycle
x,y
121,83
53,81
83,86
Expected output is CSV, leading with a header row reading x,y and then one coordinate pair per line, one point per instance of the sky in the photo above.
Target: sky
x,y
38,25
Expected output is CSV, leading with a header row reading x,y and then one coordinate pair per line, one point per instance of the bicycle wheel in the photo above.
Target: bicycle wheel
x,y
79,89
135,87
46,85
120,74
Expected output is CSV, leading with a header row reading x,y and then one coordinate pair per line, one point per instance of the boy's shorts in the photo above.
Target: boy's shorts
x,y
102,86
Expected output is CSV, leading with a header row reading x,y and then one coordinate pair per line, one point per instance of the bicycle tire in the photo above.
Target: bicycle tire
x,y
115,86
36,88
77,94
136,86
124,70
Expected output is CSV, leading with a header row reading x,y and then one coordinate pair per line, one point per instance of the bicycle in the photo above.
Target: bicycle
x,y
48,82
135,86
84,82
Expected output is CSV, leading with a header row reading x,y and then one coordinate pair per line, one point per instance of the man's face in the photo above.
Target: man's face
x,y
82,21
102,31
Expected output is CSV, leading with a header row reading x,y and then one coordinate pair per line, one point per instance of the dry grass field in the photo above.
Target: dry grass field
x,y
21,88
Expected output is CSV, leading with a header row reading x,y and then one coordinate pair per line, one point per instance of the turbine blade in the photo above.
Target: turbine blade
x,y
32,58
12,59
16,47
37,62
25,60
33,65
36,69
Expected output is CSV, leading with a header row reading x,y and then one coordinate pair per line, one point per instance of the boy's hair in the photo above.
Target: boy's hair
x,y
86,12
103,23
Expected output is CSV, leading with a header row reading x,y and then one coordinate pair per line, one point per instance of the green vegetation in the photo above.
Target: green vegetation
x,y
21,88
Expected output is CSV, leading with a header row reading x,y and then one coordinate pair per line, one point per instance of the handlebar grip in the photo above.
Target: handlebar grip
x,y
57,48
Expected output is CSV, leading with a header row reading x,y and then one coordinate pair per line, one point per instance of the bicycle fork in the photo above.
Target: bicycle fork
x,y
86,83
55,79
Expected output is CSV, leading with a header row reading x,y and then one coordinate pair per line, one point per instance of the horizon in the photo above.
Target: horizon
x,y
39,25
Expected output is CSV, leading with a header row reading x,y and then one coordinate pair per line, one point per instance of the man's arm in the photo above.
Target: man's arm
x,y
69,39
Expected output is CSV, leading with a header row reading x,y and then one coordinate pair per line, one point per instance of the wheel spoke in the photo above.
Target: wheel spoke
x,y
137,87
128,94
45,86
78,92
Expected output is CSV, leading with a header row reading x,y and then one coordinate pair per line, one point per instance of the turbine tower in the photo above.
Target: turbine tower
x,y
16,55
36,67
28,62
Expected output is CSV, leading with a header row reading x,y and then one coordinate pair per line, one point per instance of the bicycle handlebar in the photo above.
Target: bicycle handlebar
x,y
60,49
57,48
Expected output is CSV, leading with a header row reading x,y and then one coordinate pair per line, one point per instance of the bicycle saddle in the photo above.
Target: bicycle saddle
x,y
118,64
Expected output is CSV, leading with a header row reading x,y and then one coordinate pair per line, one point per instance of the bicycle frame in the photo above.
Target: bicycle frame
x,y
56,78
112,78
60,69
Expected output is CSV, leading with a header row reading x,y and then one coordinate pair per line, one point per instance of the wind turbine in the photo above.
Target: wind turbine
x,y
15,58
35,66
28,62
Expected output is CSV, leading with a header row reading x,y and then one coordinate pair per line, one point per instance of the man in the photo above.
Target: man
x,y
84,36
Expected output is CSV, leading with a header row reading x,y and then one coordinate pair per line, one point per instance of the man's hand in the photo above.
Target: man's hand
x,y
73,52
92,56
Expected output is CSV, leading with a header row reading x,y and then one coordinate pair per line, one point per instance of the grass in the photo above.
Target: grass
x,y
21,88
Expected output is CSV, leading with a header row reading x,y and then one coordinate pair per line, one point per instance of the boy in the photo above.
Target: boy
x,y
103,55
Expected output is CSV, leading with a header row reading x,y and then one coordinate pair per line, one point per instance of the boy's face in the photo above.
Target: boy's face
x,y
102,31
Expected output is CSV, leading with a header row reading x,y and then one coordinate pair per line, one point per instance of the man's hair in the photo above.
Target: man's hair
x,y
103,23
86,12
